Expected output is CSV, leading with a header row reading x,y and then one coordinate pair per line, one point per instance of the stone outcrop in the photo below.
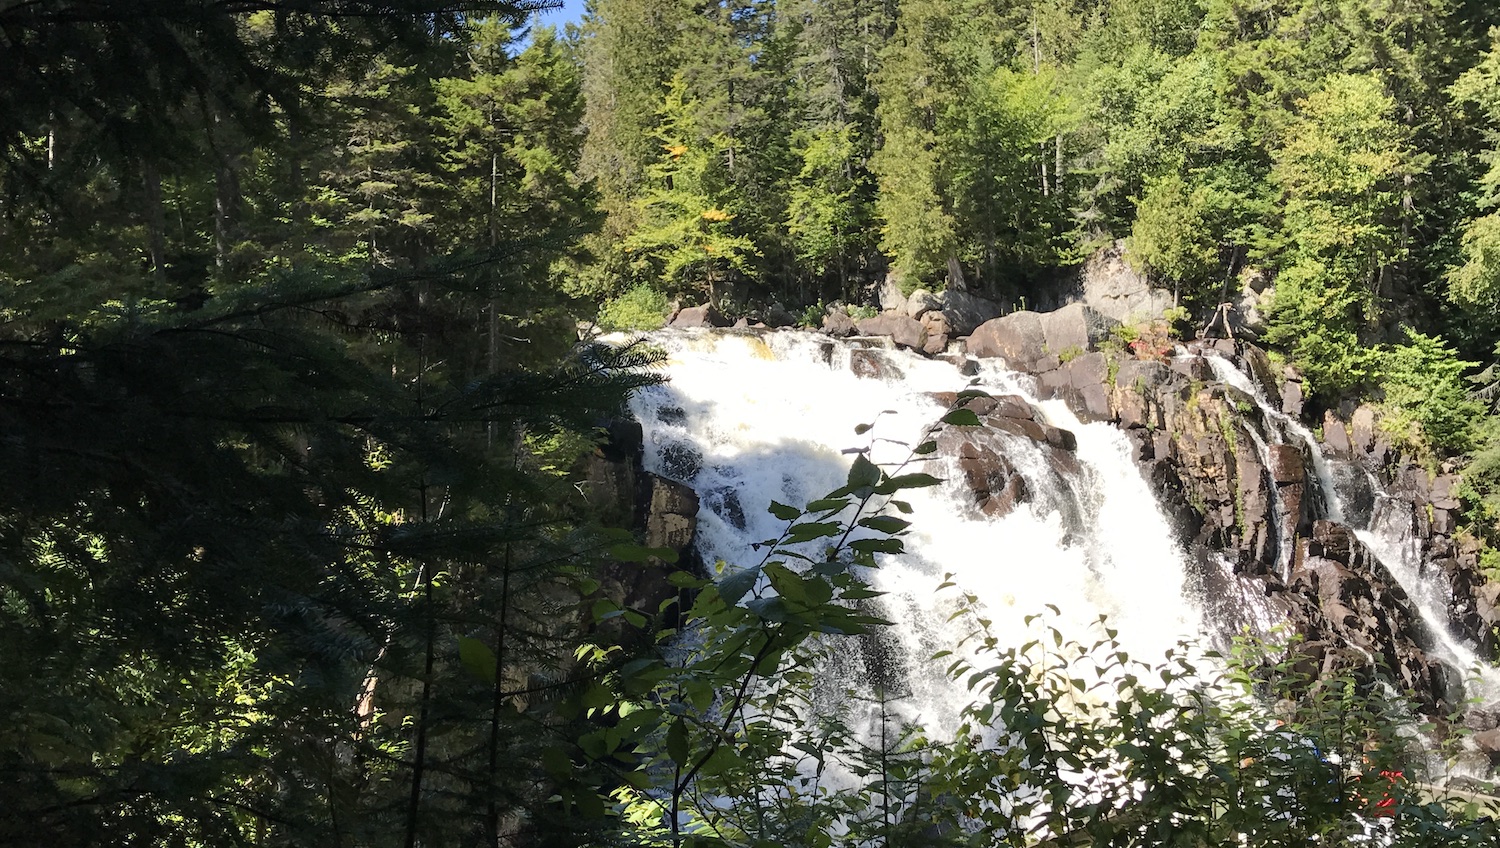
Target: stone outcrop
x,y
904,331
662,511
697,316
1039,342
966,311
982,454
1243,499
1115,289
1018,338
837,323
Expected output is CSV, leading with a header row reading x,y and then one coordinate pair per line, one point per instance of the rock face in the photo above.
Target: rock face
x,y
837,323
1245,501
965,311
1112,287
663,511
982,452
1032,341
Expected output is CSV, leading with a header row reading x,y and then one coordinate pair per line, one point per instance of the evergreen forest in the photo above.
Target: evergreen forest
x,y
294,549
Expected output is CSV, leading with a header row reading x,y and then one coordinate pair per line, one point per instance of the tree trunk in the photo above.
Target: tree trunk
x,y
156,219
226,207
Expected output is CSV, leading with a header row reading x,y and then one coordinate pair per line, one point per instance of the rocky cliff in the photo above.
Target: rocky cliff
x,y
1239,477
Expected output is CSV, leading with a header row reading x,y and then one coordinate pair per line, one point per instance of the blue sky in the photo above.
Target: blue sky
x,y
571,12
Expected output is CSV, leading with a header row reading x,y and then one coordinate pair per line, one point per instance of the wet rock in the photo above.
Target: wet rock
x,y
983,455
1012,406
1286,464
1018,427
1292,400
1488,743
1258,364
869,364
966,366
1480,720
1005,501
1062,439
681,461
725,502
905,332
1192,367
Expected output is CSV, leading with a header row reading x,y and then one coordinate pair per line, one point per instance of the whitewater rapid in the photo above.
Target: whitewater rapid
x,y
749,418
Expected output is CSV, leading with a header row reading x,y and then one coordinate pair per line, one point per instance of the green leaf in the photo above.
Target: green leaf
x,y
721,760
677,742
970,394
863,473
631,552
556,762
906,481
925,448
684,580
738,584
878,546
828,505
861,429
962,418
885,523
784,512
590,805
605,609
476,658
786,583
809,530
588,585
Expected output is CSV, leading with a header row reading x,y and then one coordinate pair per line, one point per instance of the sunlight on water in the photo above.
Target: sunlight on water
x,y
749,419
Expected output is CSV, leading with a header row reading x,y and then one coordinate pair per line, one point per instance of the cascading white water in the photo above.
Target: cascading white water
x,y
747,419
1284,429
1387,530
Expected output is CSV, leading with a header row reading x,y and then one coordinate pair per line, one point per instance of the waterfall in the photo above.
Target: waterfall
x,y
1386,527
750,418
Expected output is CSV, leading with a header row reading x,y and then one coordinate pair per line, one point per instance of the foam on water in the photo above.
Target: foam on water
x,y
747,419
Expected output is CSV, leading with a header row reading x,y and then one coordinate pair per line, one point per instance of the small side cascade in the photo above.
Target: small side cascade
x,y
1385,526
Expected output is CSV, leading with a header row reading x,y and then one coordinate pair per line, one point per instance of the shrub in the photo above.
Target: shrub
x,y
639,308
1427,406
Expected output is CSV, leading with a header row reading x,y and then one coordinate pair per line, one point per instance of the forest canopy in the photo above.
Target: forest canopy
x,y
292,397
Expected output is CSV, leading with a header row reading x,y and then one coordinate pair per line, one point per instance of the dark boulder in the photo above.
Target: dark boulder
x,y
905,332
699,316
